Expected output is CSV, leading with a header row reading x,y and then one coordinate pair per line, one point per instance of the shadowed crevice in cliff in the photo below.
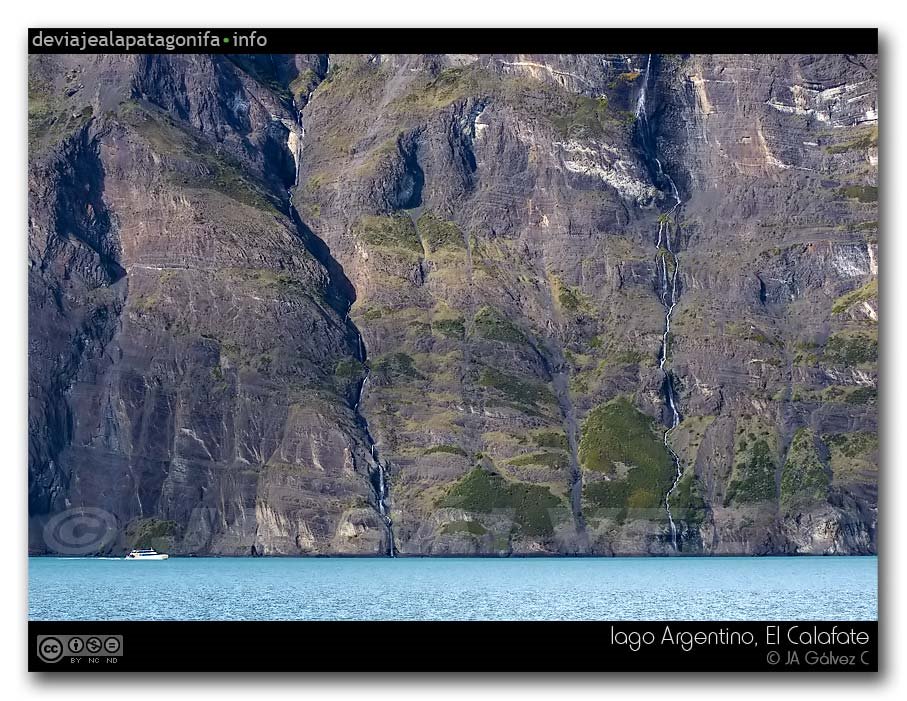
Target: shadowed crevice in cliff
x,y
80,213
79,288
559,372
413,180
341,295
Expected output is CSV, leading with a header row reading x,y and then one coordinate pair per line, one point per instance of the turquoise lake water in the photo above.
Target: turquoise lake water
x,y
782,588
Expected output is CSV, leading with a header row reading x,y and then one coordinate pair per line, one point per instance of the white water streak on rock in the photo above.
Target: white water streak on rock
x,y
669,300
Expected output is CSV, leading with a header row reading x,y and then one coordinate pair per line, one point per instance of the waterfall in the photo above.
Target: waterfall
x,y
663,249
295,144
641,101
380,467
297,154
669,301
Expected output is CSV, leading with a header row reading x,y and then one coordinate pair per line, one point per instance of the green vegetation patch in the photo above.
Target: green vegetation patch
x,y
865,293
451,328
749,332
670,262
806,353
491,324
557,461
201,167
853,456
49,118
352,80
149,532
753,476
396,231
625,357
868,139
850,394
618,433
482,491
617,436
687,503
445,448
263,280
852,445
583,116
642,489
348,368
803,479
439,233
852,348
515,389
450,85
863,193
572,115
303,84
569,298
395,366
551,439
469,527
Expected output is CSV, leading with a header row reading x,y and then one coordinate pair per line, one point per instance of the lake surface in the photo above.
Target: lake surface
x,y
726,588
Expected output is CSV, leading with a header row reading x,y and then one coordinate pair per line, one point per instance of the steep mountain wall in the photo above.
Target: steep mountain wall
x,y
416,304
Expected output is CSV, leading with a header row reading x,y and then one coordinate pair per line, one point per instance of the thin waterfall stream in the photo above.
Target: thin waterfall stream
x,y
378,475
378,470
664,249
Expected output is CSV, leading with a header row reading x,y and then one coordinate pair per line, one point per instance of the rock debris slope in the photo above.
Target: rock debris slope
x,y
407,304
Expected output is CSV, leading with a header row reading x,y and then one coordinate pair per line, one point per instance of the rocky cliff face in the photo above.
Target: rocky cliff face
x,y
411,304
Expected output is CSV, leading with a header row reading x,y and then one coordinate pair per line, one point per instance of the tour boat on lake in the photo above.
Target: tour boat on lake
x,y
146,554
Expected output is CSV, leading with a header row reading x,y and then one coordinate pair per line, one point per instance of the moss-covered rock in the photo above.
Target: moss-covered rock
x,y
396,232
515,389
618,433
852,348
863,294
553,460
451,328
622,442
486,492
493,325
863,193
804,478
687,503
150,533
447,449
439,233
753,479
551,439
473,528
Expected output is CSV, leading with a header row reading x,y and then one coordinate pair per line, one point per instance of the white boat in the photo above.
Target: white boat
x,y
146,554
